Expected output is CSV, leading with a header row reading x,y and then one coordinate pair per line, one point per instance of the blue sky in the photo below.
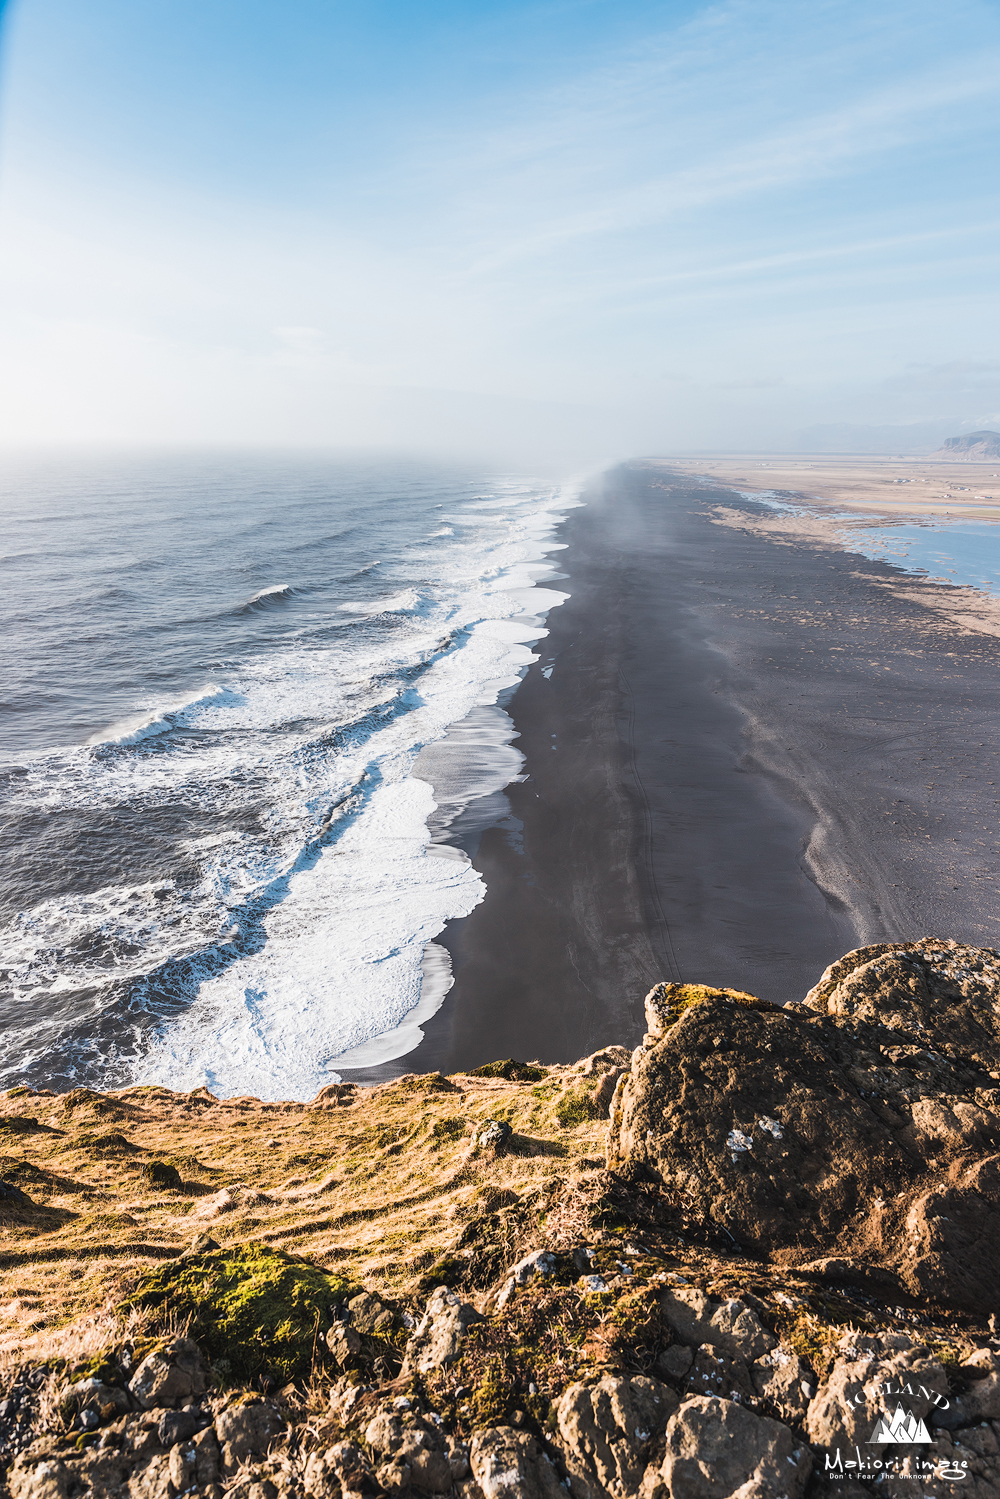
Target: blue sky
x,y
585,228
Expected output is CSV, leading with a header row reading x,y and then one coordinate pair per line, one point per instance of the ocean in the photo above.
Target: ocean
x,y
247,699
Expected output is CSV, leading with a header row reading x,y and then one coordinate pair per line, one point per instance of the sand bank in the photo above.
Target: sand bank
x,y
865,485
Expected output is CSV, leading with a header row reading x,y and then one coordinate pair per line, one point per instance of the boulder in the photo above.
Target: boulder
x,y
441,1332
731,1326
861,1127
246,1431
942,991
717,1449
605,1431
493,1134
785,1381
509,1464
170,1375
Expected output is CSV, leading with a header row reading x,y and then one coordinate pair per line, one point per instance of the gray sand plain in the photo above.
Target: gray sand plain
x,y
752,753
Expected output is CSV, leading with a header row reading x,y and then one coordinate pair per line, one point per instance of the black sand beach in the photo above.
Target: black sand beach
x,y
751,754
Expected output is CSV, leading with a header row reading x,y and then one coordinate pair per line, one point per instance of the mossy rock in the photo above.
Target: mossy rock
x,y
668,1002
161,1174
450,1270
252,1306
510,1071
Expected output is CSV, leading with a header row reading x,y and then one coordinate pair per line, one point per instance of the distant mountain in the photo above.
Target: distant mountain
x,y
971,447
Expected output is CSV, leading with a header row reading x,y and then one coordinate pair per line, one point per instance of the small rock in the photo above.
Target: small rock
x,y
170,1375
208,1458
344,1396
246,1431
716,1372
538,1262
675,1361
981,1401
440,1334
102,1400
368,1313
343,1343
591,1284
178,1426
344,1464
786,1381
394,1475
731,1325
509,1464
493,1134
203,1244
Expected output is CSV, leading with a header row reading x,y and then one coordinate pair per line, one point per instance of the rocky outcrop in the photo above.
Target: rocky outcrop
x,y
786,1273
864,1123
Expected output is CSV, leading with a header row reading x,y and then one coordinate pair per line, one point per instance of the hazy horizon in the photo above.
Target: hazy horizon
x,y
551,233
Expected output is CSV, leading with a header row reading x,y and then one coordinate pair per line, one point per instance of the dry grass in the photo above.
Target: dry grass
x,y
377,1188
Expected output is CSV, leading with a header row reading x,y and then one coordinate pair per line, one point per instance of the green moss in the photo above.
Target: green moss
x,y
492,1393
447,1271
252,1306
448,1129
576,1106
947,1355
17,1124
110,1143
510,1071
160,1174
675,999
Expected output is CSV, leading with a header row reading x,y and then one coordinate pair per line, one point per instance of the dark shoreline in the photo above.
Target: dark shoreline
x,y
738,791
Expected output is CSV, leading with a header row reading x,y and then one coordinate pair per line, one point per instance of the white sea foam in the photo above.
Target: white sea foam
x,y
398,603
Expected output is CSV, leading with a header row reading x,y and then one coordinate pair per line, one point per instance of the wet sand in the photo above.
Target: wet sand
x,y
753,752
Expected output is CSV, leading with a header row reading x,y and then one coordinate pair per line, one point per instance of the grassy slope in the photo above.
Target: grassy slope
x,y
375,1186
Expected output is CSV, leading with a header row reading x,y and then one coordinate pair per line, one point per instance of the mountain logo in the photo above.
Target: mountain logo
x,y
901,1426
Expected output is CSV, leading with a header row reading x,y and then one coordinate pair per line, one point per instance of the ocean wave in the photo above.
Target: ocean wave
x,y
399,603
274,591
158,720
